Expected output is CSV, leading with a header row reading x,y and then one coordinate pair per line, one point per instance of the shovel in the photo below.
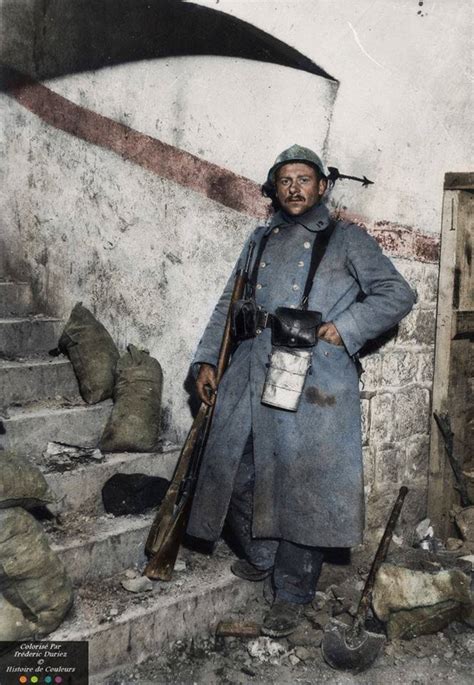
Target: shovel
x,y
353,648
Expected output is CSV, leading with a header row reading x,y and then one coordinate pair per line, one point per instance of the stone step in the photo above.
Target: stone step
x,y
99,547
124,628
22,336
29,379
29,429
80,489
15,299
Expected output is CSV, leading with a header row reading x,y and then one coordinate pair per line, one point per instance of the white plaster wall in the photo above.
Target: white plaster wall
x,y
403,114
233,112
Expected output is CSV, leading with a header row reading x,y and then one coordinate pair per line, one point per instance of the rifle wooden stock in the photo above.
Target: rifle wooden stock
x,y
168,528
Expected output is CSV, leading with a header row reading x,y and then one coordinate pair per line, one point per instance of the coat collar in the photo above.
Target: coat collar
x,y
315,219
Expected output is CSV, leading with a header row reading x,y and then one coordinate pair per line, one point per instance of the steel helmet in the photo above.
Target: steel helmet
x,y
296,153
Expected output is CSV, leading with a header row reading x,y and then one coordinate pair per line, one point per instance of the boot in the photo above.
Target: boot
x,y
244,569
282,619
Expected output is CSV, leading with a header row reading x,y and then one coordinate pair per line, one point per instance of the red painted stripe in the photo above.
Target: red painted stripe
x,y
167,161
215,182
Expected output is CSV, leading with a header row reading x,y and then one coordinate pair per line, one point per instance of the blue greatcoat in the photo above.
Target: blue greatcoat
x,y
308,464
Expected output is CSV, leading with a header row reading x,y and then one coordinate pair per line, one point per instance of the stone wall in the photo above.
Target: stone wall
x,y
396,399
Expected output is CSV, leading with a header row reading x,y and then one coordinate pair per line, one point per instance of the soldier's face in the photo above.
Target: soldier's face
x,y
298,187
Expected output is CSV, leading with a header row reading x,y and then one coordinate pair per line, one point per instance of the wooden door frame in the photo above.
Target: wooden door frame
x,y
441,492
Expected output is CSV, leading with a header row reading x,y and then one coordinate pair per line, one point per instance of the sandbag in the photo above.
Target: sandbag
x,y
133,493
22,484
134,424
92,352
36,591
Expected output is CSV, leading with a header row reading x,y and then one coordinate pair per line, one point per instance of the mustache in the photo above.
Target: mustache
x,y
299,198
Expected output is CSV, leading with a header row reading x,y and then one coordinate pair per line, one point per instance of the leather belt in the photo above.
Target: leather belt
x,y
263,319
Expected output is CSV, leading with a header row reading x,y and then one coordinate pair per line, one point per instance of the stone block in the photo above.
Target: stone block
x,y
379,504
122,629
425,366
414,509
381,423
428,286
369,466
417,460
37,379
15,299
411,411
81,488
418,328
389,465
365,420
399,368
29,429
371,379
423,278
19,337
465,523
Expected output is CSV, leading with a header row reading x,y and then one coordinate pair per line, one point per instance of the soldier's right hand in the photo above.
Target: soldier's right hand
x,y
206,384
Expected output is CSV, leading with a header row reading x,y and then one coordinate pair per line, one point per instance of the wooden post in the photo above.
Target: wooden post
x,y
453,374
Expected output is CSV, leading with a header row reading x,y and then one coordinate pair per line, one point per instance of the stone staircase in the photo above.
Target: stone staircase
x,y
39,403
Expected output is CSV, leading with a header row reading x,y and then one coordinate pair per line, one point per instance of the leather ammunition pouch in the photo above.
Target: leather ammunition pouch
x,y
295,327
244,319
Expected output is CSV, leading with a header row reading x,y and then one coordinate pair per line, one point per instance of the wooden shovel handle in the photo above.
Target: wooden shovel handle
x,y
382,550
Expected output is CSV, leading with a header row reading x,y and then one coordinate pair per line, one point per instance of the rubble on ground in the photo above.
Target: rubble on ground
x,y
444,657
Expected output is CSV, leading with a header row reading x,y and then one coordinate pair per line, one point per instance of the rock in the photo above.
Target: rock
x,y
470,559
304,635
293,659
320,600
452,544
347,595
415,603
406,625
319,619
140,584
424,530
465,522
265,649
113,611
303,654
345,619
180,565
399,588
130,573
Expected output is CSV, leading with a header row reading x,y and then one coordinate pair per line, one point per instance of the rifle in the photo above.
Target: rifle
x,y
168,528
444,424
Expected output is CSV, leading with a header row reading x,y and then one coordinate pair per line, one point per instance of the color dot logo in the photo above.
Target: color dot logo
x,y
48,679
58,679
23,679
34,678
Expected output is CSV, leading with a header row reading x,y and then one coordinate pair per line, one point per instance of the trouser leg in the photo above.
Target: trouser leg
x,y
258,551
296,573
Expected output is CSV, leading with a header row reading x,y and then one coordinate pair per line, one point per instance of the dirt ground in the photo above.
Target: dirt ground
x,y
444,657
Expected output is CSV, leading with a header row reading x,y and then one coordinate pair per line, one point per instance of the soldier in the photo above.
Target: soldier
x,y
291,482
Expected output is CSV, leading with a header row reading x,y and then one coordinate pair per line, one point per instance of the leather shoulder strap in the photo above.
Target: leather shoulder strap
x,y
320,244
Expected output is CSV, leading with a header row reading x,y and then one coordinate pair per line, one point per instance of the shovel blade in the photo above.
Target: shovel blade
x,y
345,652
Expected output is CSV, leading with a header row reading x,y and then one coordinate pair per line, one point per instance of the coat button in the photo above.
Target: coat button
x,y
307,244
276,230
301,263
263,264
258,331
295,286
259,286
